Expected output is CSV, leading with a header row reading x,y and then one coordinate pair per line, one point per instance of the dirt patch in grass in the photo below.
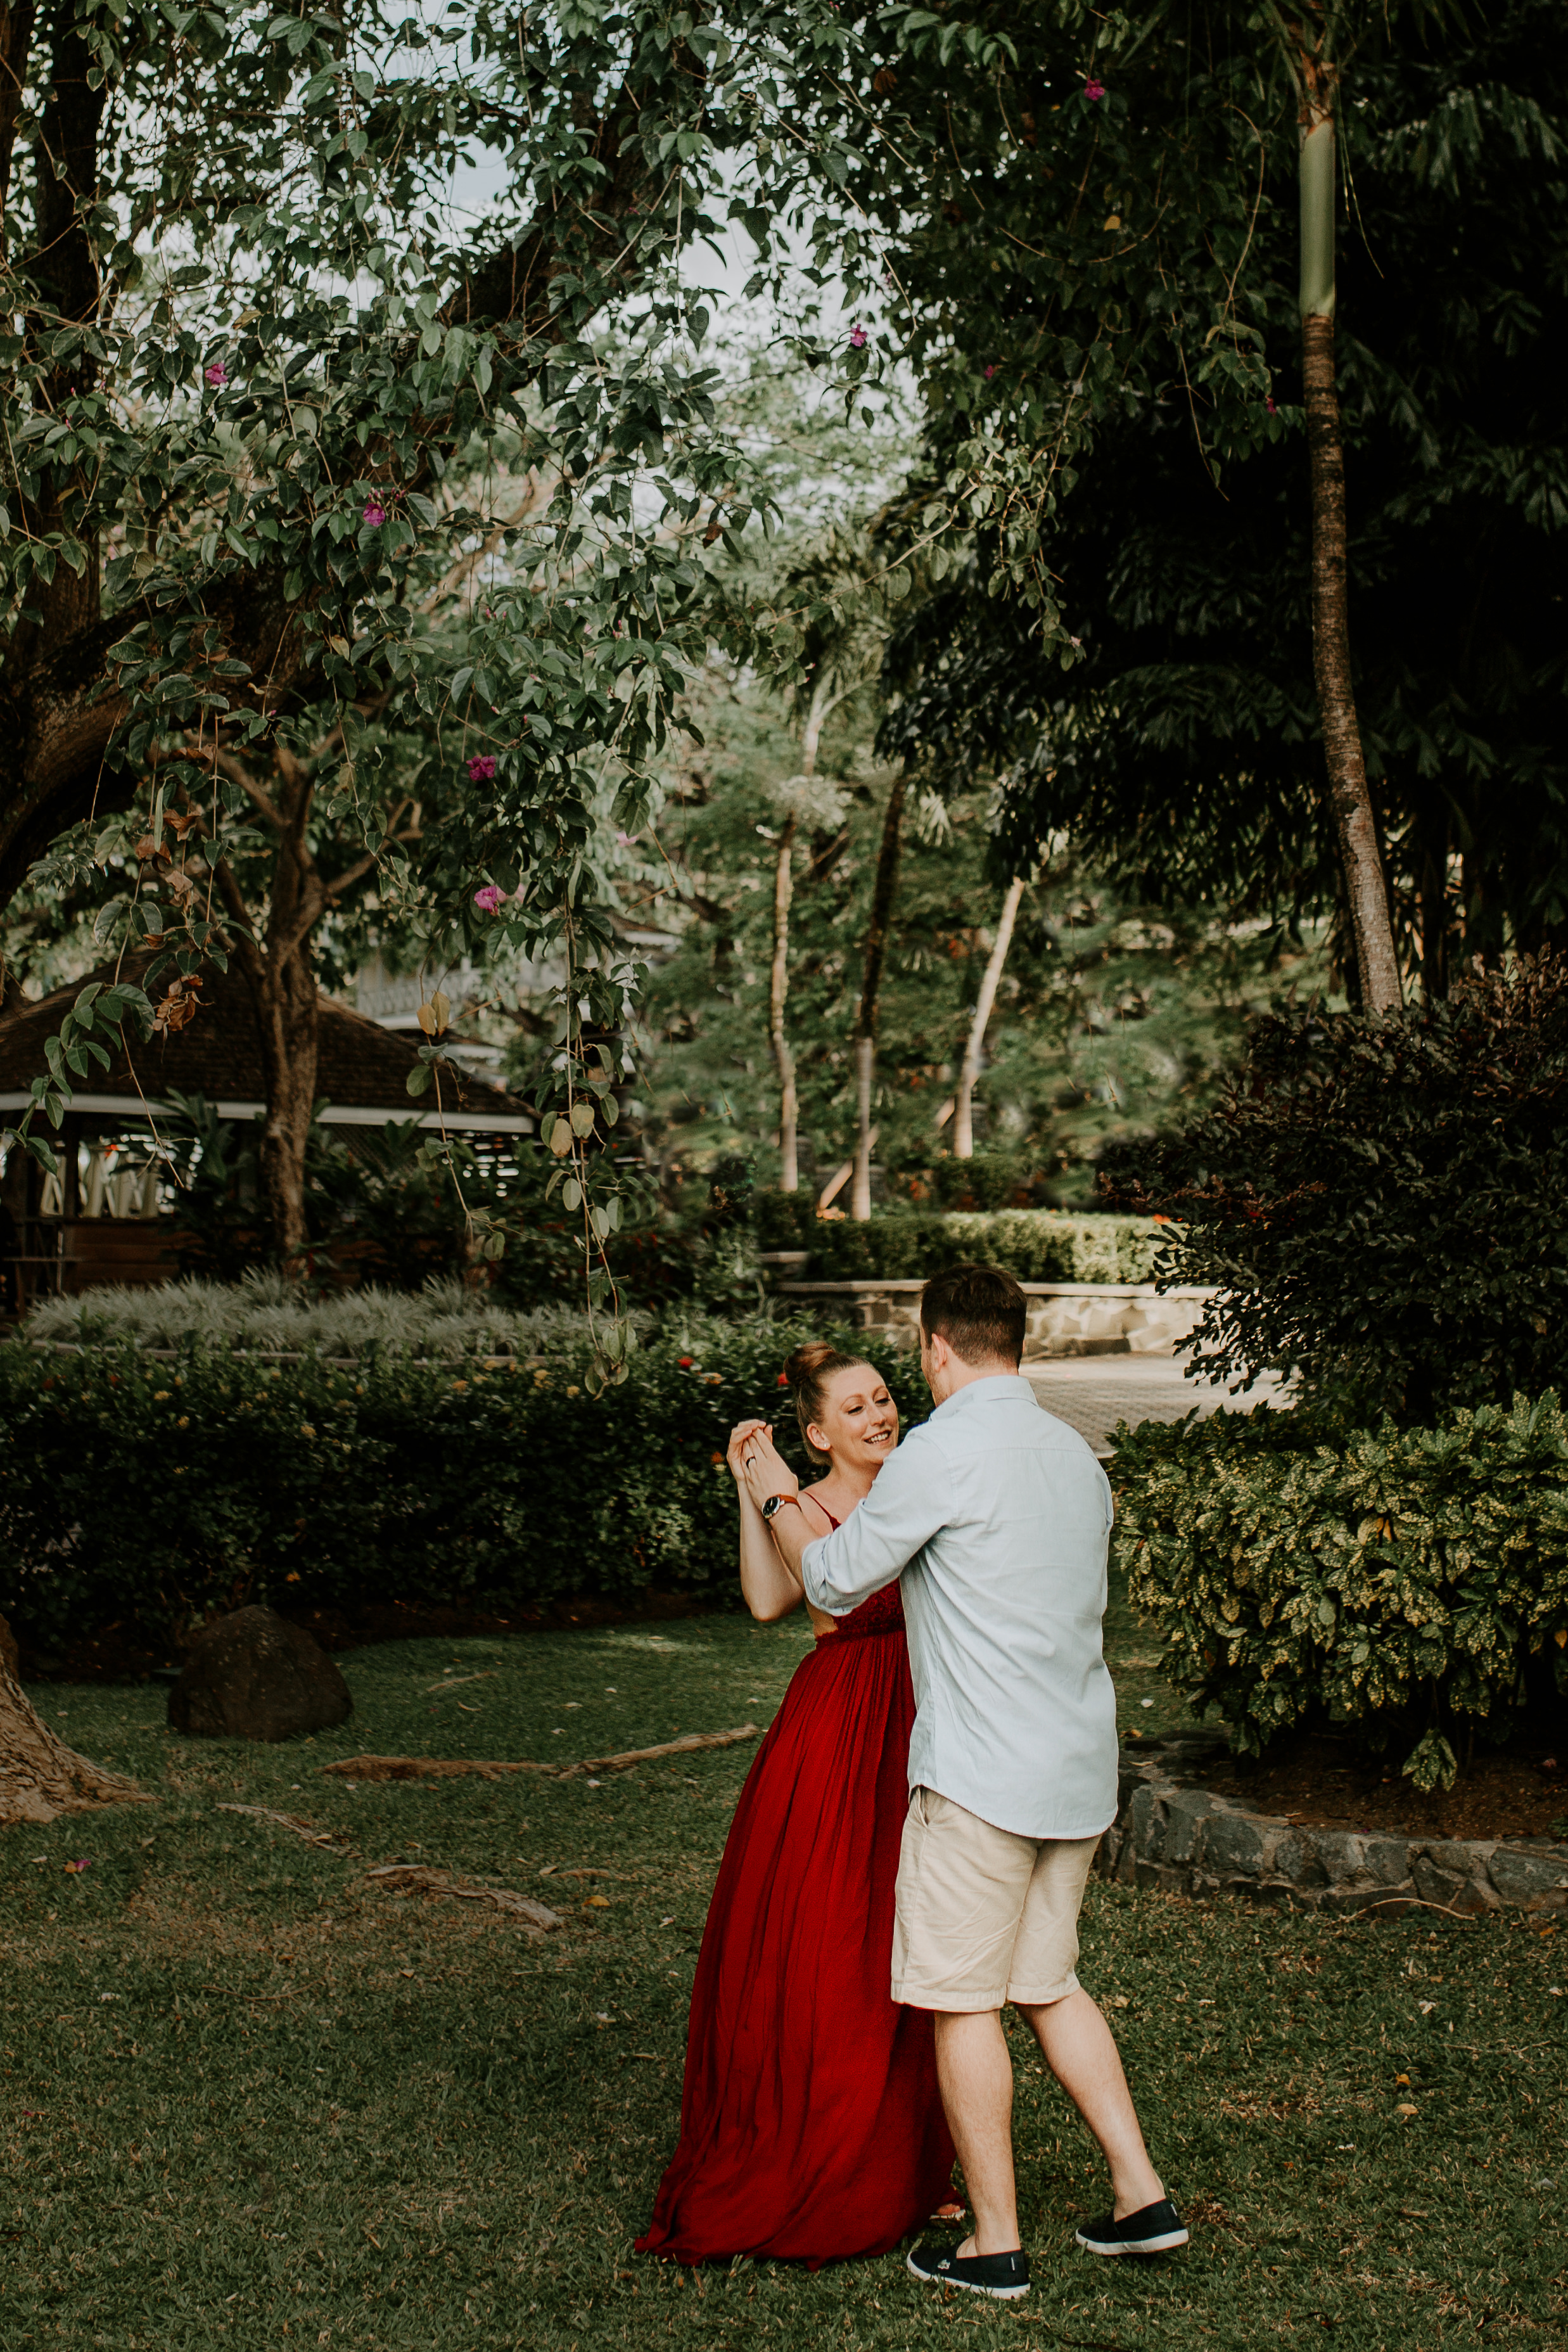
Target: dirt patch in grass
x,y
1321,1782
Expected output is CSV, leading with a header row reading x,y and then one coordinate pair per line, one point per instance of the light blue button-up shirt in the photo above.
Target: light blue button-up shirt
x,y
998,1518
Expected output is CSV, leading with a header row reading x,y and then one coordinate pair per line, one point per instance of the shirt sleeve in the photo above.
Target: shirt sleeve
x,y
877,1542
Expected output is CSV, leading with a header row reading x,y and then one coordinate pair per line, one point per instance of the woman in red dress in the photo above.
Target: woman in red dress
x,y
811,2122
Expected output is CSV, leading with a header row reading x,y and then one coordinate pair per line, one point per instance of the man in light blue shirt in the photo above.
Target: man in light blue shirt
x,y
996,1518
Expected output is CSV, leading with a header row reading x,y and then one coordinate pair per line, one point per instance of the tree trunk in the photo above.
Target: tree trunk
x,y
282,982
778,997
963,1102
284,994
1365,888
39,1776
865,1024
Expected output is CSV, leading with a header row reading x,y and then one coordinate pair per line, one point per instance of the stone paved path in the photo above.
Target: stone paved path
x,y
1095,1393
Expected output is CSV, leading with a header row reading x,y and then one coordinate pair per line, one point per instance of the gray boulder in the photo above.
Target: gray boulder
x,y
252,1675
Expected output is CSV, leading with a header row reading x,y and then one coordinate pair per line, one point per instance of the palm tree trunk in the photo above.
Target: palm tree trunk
x,y
865,1023
1366,887
777,998
821,703
963,1105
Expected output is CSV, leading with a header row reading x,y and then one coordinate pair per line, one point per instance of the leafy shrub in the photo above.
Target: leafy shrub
x,y
907,1244
1413,1583
1384,1203
137,1490
379,1200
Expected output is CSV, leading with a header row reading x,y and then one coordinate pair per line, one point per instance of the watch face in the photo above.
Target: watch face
x,y
770,1507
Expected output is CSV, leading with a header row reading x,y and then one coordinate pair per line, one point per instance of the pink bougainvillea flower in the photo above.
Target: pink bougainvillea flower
x,y
1269,404
83,1864
1093,90
375,514
481,767
217,373
990,371
488,898
857,339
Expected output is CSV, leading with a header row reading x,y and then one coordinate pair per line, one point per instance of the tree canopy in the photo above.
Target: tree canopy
x,y
1183,748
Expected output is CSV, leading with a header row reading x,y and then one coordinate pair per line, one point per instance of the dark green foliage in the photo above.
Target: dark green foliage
x,y
386,1206
379,1202
1384,1205
1183,750
1411,1582
151,1491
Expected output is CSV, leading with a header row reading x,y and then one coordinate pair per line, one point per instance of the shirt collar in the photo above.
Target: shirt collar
x,y
994,1389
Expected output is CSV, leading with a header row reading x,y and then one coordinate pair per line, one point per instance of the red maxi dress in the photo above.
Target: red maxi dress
x,y
811,2122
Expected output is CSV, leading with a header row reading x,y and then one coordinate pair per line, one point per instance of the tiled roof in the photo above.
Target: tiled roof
x,y
361,1068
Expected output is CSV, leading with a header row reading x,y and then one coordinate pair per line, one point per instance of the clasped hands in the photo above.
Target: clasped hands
x,y
757,1464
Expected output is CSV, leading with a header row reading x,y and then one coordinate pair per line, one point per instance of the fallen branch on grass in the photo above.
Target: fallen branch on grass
x,y
538,1918
424,1768
306,1830
448,1767
687,1746
415,1878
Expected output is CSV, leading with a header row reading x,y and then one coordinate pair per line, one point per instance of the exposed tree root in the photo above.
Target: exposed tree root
x,y
40,1777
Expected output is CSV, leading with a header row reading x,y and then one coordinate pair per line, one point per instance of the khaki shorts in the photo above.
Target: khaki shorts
x,y
984,1916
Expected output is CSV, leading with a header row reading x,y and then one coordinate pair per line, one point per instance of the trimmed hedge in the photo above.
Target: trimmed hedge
x,y
910,1245
1413,1583
152,1492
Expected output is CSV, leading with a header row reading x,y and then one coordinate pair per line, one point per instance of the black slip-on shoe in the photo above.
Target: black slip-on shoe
x,y
1005,2276
1155,2229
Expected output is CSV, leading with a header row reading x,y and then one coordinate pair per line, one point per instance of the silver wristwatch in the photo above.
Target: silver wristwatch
x,y
775,1504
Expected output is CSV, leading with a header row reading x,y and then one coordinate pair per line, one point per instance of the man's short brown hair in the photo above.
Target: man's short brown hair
x,y
980,1311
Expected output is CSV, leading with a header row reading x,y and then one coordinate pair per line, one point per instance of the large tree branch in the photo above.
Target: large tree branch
x,y
59,712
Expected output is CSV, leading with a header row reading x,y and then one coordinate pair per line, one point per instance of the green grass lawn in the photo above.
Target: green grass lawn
x,y
249,2100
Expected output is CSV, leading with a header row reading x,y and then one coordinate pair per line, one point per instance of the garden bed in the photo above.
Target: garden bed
x,y
1176,1830
1321,1782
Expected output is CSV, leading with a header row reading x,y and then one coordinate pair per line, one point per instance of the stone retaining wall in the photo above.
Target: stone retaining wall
x,y
1169,1833
1065,1319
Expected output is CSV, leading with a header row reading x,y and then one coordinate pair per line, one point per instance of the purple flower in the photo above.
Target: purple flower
x,y
1093,90
481,767
991,372
488,898
857,339
216,375
375,513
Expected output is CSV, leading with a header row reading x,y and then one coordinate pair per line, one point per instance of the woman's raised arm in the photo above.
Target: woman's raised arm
x,y
770,1590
